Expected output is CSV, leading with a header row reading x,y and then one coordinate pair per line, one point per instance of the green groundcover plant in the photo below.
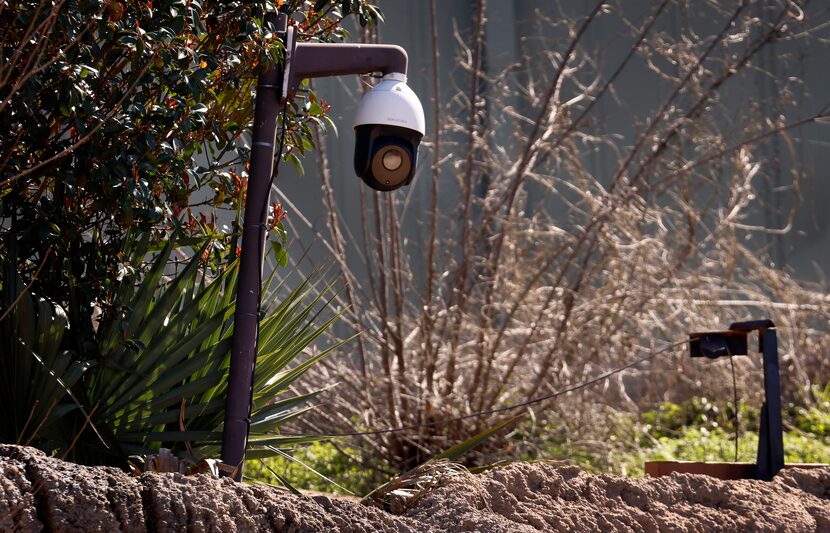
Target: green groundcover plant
x,y
695,430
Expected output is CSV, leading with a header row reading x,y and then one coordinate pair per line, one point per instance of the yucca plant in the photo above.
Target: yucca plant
x,y
165,357
161,373
36,374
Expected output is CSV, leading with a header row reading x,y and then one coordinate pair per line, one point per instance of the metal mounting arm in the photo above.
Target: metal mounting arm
x,y
716,344
319,60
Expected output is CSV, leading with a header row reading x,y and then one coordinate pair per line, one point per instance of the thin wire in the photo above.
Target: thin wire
x,y
511,407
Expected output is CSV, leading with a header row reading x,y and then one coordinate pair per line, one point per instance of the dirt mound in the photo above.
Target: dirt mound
x,y
540,497
40,493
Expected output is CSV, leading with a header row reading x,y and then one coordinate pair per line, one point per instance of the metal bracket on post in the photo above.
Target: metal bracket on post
x,y
319,60
716,344
288,62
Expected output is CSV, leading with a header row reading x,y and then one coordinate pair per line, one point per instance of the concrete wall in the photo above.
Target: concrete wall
x,y
513,29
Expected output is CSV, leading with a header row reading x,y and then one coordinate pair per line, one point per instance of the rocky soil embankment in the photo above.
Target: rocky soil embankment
x,y
40,493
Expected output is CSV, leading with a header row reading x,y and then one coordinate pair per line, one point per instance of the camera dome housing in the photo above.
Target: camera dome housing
x,y
389,126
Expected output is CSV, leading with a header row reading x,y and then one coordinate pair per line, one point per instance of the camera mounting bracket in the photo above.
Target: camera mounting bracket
x,y
715,344
319,60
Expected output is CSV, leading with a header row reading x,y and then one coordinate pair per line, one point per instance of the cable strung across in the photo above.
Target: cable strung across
x,y
572,388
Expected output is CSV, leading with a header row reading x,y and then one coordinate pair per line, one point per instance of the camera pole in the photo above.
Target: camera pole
x,y
246,316
275,87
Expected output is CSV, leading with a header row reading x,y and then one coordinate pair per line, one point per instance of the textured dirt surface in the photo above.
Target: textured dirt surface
x,y
538,497
39,493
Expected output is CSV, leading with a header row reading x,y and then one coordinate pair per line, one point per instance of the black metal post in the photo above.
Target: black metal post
x,y
716,344
246,316
771,433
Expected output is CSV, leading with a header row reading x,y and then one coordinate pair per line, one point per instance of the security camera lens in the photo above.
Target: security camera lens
x,y
392,160
391,165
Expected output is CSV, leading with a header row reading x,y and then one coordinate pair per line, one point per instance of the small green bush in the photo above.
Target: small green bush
x,y
814,418
697,430
320,466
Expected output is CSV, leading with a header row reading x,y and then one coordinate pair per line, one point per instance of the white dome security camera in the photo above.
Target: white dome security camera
x,y
389,126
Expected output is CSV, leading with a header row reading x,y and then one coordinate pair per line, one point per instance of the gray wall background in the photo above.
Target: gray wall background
x,y
512,30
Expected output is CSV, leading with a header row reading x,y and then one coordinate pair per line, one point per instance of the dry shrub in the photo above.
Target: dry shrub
x,y
537,272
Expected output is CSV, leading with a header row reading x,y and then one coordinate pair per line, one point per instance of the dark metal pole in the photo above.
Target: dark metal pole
x,y
734,342
771,434
246,316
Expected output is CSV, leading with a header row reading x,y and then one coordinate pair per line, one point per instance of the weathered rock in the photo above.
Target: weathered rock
x,y
41,493
18,508
203,503
80,498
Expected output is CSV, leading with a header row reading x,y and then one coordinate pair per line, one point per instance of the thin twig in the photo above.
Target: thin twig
x,y
28,285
